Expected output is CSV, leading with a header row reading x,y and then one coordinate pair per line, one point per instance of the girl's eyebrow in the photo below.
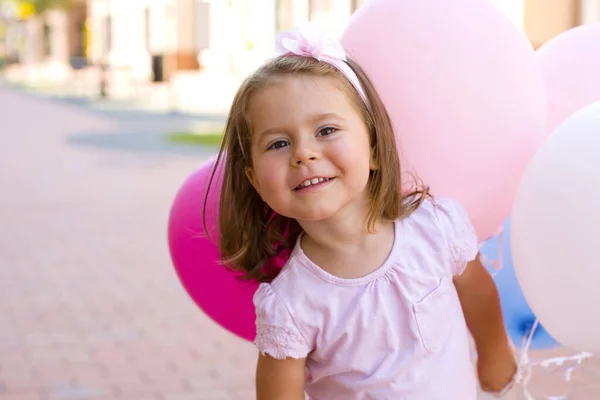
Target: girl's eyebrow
x,y
321,117
268,132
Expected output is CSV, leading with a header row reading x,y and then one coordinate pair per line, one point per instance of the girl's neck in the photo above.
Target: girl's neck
x,y
348,250
342,244
347,228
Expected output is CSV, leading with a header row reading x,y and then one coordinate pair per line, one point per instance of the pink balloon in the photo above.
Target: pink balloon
x,y
465,93
216,290
571,64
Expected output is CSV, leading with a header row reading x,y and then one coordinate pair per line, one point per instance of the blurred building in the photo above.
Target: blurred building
x,y
152,38
541,20
198,46
53,41
155,40
158,38
202,48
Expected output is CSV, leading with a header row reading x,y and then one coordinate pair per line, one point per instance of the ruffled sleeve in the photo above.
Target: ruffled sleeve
x,y
276,332
460,235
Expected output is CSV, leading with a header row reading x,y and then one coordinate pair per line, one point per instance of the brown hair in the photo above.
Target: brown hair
x,y
251,233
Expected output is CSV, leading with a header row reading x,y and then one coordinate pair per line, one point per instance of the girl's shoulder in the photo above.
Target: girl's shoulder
x,y
435,205
291,282
444,222
442,214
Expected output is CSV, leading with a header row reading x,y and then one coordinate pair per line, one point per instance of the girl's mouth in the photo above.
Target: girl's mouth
x,y
312,182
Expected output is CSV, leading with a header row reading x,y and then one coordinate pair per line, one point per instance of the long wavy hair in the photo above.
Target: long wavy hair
x,y
251,233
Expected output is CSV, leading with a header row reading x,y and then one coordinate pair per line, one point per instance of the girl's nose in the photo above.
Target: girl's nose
x,y
305,154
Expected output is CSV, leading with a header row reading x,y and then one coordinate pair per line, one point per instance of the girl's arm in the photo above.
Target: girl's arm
x,y
481,306
280,379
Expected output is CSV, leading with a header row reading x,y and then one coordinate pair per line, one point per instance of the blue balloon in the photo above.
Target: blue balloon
x,y
518,316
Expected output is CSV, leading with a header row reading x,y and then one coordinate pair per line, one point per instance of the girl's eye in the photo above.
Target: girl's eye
x,y
280,144
327,131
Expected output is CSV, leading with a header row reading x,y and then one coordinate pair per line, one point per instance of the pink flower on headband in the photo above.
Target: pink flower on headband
x,y
306,40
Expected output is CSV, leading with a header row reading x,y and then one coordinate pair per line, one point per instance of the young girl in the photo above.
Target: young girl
x,y
380,289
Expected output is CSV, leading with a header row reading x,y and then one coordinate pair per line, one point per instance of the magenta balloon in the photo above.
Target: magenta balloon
x,y
571,64
464,91
215,289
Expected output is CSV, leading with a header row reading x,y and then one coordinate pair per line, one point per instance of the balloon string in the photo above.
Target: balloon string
x,y
525,367
498,265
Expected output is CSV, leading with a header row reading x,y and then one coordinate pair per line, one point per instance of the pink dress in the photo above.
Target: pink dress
x,y
397,333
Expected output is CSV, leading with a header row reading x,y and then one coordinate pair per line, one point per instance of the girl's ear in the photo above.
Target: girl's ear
x,y
373,164
252,178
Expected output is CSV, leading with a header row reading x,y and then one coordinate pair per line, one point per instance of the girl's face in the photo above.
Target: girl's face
x,y
310,149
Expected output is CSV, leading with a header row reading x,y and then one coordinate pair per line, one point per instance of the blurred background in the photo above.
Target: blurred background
x,y
163,53
107,107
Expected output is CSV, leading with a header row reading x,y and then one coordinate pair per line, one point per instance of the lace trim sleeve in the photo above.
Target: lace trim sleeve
x,y
276,331
460,235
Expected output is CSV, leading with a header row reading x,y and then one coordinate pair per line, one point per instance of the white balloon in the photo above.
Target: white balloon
x,y
555,232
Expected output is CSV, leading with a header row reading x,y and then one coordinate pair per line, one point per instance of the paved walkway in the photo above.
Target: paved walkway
x,y
90,306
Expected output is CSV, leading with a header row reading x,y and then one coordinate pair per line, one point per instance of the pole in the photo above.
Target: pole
x,y
173,65
105,48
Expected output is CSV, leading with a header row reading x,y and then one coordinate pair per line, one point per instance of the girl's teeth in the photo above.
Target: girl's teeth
x,y
313,181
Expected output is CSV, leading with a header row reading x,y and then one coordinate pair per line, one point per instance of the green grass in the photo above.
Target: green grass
x,y
206,139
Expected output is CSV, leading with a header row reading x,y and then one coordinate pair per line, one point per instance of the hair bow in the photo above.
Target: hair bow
x,y
307,41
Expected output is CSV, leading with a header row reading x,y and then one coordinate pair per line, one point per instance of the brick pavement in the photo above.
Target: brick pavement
x,y
90,307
